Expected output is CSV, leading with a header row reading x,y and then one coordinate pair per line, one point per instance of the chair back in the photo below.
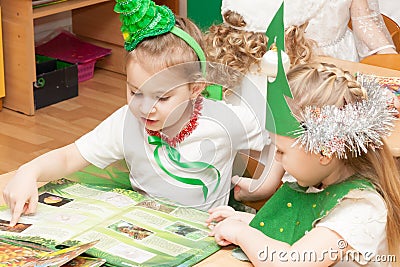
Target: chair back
x,y
389,61
394,30
254,169
396,40
391,25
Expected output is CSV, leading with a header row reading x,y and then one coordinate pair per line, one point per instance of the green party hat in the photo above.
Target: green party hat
x,y
141,19
279,118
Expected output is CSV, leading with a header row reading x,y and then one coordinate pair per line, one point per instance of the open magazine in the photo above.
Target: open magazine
x,y
390,83
130,228
23,254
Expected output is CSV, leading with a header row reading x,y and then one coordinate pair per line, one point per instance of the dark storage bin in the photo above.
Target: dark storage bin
x,y
56,81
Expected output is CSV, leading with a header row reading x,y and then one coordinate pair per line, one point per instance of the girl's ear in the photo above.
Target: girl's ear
x,y
197,88
325,160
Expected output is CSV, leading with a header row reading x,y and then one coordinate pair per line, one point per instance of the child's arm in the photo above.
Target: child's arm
x,y
248,189
21,193
265,251
368,31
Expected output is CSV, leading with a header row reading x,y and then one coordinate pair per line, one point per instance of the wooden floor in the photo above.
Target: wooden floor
x,y
23,137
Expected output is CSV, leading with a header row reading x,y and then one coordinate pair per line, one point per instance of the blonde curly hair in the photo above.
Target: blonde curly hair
x,y
235,50
297,46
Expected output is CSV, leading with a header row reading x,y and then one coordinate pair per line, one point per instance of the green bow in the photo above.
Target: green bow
x,y
174,156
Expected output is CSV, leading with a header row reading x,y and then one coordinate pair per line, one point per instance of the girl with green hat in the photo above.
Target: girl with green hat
x,y
178,145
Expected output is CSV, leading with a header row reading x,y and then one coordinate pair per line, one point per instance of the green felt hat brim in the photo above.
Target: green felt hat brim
x,y
279,117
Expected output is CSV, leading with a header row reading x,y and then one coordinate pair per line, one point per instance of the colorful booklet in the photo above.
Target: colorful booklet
x,y
391,83
131,229
16,253
81,261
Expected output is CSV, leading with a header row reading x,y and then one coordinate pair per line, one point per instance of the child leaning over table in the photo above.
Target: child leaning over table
x,y
178,145
349,193
244,27
239,47
329,135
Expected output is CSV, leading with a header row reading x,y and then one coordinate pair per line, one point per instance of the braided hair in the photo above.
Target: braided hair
x,y
319,84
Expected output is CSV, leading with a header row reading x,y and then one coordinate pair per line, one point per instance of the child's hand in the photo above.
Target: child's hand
x,y
218,214
241,189
221,213
226,232
21,195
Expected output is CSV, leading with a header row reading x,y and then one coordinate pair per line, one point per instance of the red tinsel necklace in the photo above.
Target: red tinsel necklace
x,y
187,130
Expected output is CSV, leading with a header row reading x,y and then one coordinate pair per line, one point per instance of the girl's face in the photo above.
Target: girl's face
x,y
309,169
158,101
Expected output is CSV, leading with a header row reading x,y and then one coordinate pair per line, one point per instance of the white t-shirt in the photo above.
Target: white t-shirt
x,y
222,131
252,94
360,219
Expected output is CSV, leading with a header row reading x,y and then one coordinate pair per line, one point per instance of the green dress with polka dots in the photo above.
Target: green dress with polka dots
x,y
291,212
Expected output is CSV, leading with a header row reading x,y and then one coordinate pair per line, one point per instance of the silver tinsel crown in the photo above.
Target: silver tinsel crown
x,y
353,128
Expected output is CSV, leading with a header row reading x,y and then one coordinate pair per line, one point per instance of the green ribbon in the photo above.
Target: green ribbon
x,y
174,156
212,91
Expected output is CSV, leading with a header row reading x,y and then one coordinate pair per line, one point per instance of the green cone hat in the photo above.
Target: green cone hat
x,y
279,118
141,19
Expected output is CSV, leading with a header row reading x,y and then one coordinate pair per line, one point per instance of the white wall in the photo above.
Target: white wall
x,y
391,8
46,27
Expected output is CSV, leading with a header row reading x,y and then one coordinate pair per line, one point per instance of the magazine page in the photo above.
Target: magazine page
x,y
82,261
152,233
18,253
390,83
60,257
66,209
131,229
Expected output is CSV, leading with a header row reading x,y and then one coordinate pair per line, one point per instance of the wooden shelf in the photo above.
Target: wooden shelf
x,y
63,6
19,46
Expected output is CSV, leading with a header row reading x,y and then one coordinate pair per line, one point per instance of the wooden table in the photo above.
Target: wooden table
x,y
220,258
